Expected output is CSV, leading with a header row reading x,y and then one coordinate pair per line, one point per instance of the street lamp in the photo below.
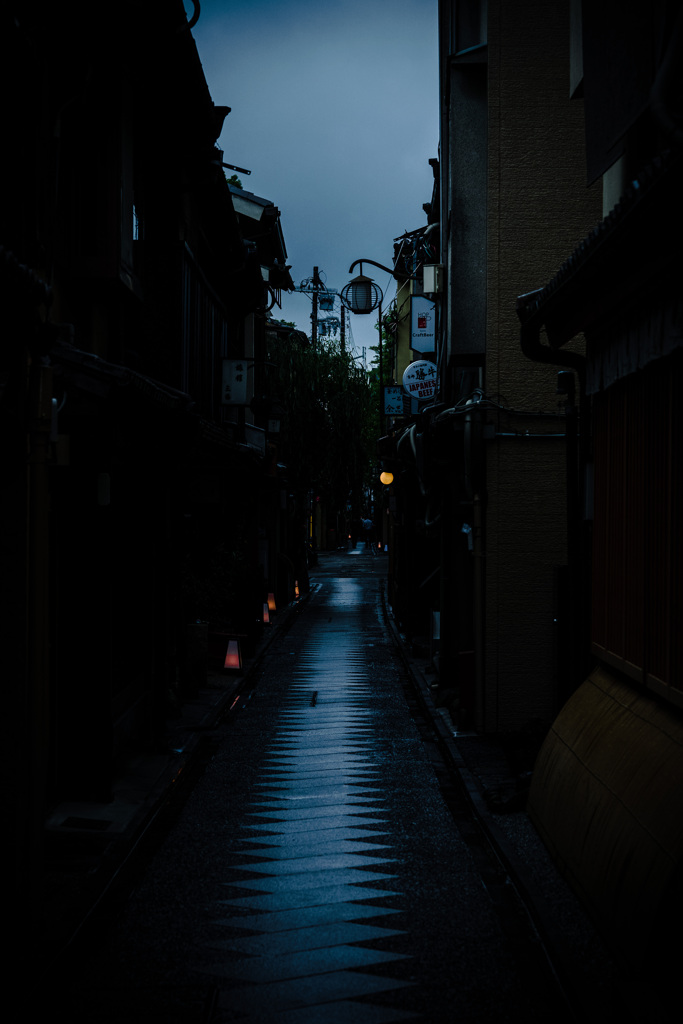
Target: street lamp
x,y
362,295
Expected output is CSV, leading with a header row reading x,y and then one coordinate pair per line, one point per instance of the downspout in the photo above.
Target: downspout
x,y
35,730
478,602
579,599
530,343
474,470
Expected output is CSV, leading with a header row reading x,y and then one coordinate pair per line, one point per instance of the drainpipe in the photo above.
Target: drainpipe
x,y
530,342
474,470
577,451
38,621
478,599
572,657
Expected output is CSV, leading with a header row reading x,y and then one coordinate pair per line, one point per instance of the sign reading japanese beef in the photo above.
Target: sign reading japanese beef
x,y
420,380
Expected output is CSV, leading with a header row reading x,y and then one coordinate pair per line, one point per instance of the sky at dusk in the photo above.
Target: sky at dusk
x,y
334,110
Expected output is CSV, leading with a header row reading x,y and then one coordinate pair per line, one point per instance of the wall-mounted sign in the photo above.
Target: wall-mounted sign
x,y
393,400
234,390
422,324
420,380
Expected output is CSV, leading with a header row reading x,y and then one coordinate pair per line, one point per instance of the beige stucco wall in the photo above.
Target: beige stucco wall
x,y
404,353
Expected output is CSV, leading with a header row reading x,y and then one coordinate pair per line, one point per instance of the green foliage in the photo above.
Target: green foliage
x,y
389,326
328,435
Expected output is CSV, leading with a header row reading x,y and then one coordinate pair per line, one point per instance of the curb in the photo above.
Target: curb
x,y
535,905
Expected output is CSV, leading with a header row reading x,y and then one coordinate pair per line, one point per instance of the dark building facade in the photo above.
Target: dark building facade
x,y
607,785
137,506
537,503
488,460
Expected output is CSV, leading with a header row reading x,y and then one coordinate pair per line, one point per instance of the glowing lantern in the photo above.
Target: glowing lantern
x,y
233,655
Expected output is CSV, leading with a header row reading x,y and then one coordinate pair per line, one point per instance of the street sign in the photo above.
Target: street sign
x,y
393,400
420,380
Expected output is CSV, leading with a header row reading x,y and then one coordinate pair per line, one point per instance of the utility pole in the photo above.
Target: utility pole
x,y
317,285
322,297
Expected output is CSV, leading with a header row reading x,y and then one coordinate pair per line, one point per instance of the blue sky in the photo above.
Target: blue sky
x,y
335,112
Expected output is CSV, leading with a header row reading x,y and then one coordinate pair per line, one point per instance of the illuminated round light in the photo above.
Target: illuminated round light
x,y
386,478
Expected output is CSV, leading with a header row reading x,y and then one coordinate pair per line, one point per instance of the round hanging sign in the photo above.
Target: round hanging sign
x,y
420,380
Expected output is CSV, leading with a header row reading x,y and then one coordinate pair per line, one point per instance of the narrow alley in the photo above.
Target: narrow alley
x,y
276,277
323,867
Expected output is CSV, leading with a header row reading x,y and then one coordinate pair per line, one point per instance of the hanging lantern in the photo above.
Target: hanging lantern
x,y
361,295
266,613
233,656
271,603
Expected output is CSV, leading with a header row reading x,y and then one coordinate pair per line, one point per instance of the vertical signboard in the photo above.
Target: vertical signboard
x,y
234,391
422,324
393,400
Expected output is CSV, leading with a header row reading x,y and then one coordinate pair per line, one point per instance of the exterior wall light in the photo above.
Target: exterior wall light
x,y
386,477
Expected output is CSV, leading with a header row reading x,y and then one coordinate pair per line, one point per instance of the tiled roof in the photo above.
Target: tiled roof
x,y
633,218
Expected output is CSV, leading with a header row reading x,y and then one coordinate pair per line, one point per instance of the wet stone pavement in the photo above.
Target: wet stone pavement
x,y
315,873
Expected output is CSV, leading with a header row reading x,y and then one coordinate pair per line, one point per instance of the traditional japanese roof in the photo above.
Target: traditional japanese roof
x,y
630,247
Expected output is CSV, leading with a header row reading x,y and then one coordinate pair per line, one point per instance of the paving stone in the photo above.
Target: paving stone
x,y
306,991
310,880
315,848
311,824
359,773
265,969
316,798
306,917
352,808
300,938
340,835
325,787
347,1012
324,862
287,899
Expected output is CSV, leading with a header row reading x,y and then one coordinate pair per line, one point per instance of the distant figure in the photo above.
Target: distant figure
x,y
367,533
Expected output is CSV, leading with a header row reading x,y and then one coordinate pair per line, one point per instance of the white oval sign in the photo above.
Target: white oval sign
x,y
420,380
